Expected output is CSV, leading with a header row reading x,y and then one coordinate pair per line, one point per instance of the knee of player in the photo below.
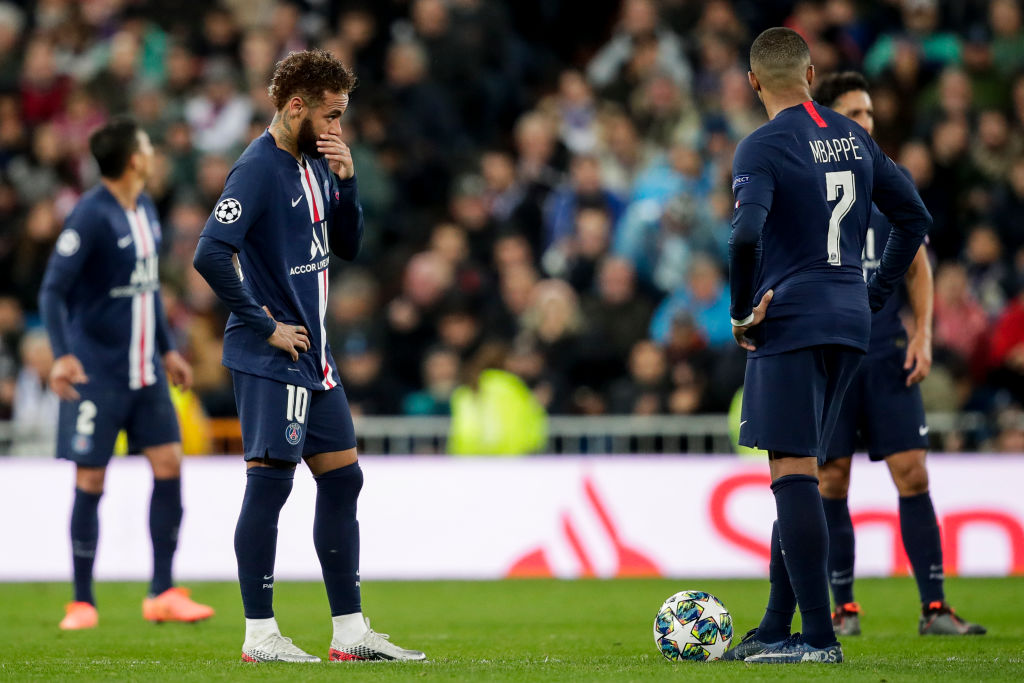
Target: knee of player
x,y
90,479
165,461
909,473
833,480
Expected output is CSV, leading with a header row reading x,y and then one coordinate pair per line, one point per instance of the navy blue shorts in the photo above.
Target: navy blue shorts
x,y
87,428
880,412
288,422
791,400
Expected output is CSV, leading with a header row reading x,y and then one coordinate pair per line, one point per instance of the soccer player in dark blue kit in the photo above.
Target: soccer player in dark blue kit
x,y
289,201
883,407
804,183
100,301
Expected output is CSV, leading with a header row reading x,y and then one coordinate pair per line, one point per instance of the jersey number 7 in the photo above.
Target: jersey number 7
x,y
834,181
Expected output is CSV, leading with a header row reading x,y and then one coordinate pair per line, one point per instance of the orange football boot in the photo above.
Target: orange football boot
x,y
79,615
174,605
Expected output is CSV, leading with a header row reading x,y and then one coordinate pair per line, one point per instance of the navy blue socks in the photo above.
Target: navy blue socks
x,y
164,521
841,548
923,544
336,536
266,490
804,536
85,533
778,618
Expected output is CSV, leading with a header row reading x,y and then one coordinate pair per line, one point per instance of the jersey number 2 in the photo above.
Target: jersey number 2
x,y
834,181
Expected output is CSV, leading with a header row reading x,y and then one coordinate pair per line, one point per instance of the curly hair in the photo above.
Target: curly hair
x,y
309,74
834,86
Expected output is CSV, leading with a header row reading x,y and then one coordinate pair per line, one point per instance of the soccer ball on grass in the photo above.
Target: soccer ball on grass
x,y
693,626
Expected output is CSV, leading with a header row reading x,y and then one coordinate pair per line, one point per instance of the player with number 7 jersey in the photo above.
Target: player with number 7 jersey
x,y
804,183
815,173
289,202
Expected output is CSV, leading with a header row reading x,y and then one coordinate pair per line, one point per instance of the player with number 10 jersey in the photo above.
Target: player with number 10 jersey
x,y
289,202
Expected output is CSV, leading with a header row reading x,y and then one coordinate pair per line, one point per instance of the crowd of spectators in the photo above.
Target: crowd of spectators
x,y
551,176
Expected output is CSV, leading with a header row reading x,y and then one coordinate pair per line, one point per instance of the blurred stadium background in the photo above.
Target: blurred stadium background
x,y
546,188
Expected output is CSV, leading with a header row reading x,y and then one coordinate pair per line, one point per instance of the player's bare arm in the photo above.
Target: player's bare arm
x,y
67,371
291,339
740,331
921,294
178,370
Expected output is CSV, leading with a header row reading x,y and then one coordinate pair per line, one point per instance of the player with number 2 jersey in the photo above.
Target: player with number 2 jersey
x,y
100,301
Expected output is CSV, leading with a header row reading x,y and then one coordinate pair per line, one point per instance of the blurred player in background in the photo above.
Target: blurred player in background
x,y
289,201
883,406
100,301
803,185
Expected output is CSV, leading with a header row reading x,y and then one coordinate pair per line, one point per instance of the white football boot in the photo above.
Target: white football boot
x,y
373,646
275,648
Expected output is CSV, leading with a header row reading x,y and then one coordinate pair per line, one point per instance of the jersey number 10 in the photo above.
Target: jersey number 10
x,y
298,401
834,181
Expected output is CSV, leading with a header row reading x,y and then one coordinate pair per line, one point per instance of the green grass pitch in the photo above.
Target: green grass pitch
x,y
529,630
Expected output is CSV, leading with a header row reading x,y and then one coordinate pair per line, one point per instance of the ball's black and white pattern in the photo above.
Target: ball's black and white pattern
x,y
228,211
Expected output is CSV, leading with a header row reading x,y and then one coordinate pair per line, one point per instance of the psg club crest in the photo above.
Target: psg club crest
x,y
82,443
228,210
293,433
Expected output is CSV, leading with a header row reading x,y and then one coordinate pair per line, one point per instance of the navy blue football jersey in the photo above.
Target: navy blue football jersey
x,y
105,269
816,173
885,323
277,214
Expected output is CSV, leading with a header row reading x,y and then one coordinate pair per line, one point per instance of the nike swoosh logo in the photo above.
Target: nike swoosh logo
x,y
295,202
268,578
124,241
923,431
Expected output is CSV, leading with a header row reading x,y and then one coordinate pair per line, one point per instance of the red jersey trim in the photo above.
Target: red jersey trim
x,y
813,113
